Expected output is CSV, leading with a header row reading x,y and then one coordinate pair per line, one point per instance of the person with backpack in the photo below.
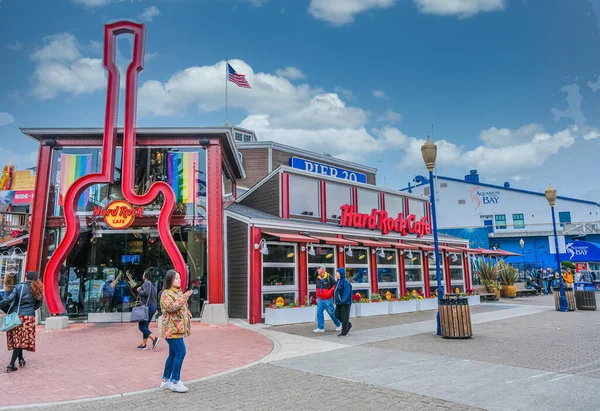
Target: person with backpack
x,y
24,299
325,289
343,300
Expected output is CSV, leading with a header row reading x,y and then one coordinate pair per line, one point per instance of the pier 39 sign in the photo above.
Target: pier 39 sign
x,y
325,170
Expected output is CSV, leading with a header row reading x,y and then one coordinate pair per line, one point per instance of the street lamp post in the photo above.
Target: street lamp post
x,y
429,153
551,197
522,244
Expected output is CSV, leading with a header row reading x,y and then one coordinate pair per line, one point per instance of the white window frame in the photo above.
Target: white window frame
x,y
274,289
433,283
313,287
415,284
367,285
457,265
392,284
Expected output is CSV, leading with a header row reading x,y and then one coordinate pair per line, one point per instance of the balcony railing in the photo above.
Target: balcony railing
x,y
11,222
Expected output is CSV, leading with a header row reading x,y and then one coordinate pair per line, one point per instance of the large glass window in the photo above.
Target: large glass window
x,y
304,196
413,270
457,272
338,195
323,255
417,208
357,268
279,273
500,221
367,200
394,205
433,270
387,270
518,221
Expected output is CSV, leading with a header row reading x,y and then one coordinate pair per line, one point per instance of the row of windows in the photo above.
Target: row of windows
x,y
305,199
280,270
519,220
246,138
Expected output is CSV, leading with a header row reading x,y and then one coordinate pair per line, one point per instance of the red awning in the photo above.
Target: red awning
x,y
404,246
335,240
450,249
373,243
426,247
293,238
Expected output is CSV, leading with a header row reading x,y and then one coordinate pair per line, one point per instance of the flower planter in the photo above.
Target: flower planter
x,y
509,291
474,300
399,307
280,316
371,309
427,304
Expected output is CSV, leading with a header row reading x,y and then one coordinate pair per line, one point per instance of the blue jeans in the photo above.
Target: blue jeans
x,y
546,286
323,305
143,325
174,360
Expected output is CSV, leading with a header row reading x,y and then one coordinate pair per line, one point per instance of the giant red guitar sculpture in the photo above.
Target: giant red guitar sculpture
x,y
106,176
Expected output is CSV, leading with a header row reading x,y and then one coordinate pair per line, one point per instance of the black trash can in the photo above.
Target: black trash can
x,y
585,296
455,317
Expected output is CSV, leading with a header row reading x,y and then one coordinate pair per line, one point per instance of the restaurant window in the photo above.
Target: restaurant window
x,y
433,271
279,274
367,200
500,221
457,271
338,195
417,208
387,271
518,221
323,255
304,196
394,205
413,270
357,268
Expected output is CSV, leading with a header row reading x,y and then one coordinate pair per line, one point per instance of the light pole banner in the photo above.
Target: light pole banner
x,y
561,244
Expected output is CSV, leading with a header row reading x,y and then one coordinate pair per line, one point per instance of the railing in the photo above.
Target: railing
x,y
9,222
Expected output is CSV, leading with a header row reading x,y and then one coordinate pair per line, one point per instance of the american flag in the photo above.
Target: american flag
x,y
239,79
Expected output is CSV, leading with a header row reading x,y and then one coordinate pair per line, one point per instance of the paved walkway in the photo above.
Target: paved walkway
x,y
92,360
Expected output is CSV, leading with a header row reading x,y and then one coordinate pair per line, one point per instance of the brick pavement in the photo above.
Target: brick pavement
x,y
267,387
92,360
551,341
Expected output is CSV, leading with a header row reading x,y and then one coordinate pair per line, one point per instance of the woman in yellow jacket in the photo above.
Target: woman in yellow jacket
x,y
175,326
568,277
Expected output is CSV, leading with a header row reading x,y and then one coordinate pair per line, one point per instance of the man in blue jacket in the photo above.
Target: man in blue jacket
x,y
343,301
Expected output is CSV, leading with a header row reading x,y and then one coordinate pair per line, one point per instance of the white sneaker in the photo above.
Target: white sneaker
x,y
178,387
319,330
338,328
166,384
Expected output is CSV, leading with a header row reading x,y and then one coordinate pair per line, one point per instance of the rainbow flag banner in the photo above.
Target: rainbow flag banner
x,y
72,167
181,175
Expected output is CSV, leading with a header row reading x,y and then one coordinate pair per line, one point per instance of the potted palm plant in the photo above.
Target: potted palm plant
x,y
487,271
508,277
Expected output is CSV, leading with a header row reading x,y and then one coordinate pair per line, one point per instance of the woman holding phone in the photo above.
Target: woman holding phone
x,y
175,326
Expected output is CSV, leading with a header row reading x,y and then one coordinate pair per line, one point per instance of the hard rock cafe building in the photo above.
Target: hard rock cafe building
x,y
251,219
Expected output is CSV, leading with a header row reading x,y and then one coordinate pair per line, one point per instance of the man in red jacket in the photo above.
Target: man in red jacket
x,y
325,290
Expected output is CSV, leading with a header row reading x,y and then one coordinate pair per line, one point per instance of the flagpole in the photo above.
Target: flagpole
x,y
226,81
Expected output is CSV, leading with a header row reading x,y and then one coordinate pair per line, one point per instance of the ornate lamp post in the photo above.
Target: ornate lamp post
x,y
429,153
551,197
522,244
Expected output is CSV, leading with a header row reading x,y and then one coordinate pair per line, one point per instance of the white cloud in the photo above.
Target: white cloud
x,y
380,94
502,137
149,13
390,116
22,161
15,46
6,119
345,92
462,8
594,86
293,73
61,68
573,112
339,13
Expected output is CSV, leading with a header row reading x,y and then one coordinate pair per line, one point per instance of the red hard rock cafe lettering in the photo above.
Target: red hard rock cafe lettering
x,y
379,219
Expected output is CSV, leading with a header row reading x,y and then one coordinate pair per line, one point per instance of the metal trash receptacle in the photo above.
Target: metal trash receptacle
x,y
585,296
455,317
569,294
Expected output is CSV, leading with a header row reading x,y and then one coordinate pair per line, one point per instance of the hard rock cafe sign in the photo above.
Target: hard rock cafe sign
x,y
118,214
379,219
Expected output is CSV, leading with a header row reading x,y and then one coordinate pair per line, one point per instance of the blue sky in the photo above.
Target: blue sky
x,y
511,86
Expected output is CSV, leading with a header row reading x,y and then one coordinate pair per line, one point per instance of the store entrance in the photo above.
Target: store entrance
x,y
105,269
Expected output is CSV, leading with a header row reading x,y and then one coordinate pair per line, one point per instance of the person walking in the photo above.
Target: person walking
x,y
545,281
175,326
147,293
325,289
343,300
24,299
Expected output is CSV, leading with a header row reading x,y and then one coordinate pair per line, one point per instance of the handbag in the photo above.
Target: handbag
x,y
140,313
12,320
